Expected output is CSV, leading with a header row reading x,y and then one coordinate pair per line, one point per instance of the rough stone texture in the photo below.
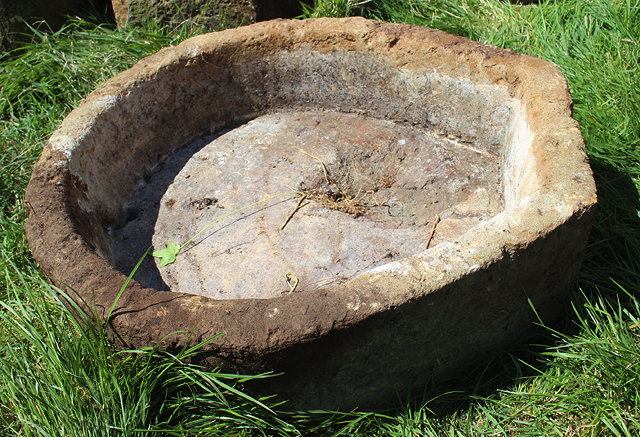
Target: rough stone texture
x,y
212,14
385,183
389,329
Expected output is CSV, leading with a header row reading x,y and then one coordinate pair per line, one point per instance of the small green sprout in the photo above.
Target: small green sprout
x,y
170,252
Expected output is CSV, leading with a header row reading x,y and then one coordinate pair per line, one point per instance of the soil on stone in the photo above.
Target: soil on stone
x,y
372,192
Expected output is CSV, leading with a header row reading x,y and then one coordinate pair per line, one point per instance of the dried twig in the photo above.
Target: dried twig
x,y
433,231
324,167
373,196
292,282
298,206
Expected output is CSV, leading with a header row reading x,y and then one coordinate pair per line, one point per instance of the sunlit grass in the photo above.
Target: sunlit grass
x,y
59,376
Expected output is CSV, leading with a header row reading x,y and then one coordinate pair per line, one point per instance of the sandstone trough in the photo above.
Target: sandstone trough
x,y
426,192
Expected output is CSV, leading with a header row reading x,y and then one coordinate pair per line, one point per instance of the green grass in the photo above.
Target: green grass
x,y
60,377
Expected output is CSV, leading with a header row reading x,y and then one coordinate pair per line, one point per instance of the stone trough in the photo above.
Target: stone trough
x,y
405,198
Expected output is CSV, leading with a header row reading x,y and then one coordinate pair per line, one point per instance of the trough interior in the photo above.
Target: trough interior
x,y
380,152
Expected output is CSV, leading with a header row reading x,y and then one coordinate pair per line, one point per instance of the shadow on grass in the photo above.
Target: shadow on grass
x,y
611,262
613,251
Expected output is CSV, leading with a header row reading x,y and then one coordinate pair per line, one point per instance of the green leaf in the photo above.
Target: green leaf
x,y
168,254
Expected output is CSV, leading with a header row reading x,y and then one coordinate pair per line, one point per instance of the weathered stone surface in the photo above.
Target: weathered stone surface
x,y
384,183
211,14
348,90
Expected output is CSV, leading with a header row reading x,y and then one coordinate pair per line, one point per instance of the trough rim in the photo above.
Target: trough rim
x,y
145,316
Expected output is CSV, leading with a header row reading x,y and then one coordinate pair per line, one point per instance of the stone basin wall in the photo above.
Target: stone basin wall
x,y
213,84
395,328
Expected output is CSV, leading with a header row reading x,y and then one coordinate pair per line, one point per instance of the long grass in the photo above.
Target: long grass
x,y
583,380
60,376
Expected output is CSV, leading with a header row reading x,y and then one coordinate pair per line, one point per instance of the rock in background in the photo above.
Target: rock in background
x,y
210,14
15,14
4,25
